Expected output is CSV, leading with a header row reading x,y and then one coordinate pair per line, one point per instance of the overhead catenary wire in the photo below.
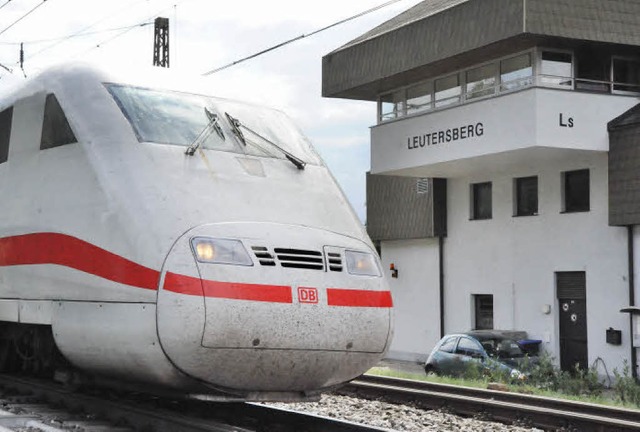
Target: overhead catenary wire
x,y
106,41
23,16
302,36
75,35
84,29
5,3
100,44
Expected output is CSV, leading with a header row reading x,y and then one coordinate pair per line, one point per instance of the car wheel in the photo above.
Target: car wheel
x,y
429,370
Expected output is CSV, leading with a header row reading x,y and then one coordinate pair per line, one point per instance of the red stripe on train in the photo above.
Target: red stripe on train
x,y
68,251
271,293
64,250
358,298
228,290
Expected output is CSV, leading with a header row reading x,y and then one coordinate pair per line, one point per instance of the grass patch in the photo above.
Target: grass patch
x,y
605,397
392,373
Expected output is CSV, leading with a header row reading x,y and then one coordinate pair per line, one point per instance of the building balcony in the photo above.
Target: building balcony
x,y
535,123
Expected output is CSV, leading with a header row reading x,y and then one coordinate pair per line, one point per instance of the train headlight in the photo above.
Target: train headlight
x,y
220,251
361,263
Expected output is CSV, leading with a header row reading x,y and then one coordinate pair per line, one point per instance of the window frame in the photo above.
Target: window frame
x,y
517,210
576,208
474,196
449,100
527,80
477,298
540,76
613,80
483,93
462,98
397,113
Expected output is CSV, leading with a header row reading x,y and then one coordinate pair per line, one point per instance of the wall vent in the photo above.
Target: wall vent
x,y
422,185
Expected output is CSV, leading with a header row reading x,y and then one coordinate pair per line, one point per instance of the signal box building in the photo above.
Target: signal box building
x,y
505,170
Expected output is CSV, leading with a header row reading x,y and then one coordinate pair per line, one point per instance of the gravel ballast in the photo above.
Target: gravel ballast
x,y
396,417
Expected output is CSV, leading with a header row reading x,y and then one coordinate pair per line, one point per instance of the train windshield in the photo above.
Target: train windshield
x,y
167,117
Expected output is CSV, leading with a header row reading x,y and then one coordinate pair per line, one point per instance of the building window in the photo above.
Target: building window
x,y
626,75
419,97
391,106
448,90
556,68
481,201
516,72
576,191
593,70
526,196
481,81
484,311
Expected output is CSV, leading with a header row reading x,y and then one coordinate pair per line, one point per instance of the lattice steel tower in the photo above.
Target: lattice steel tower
x,y
161,42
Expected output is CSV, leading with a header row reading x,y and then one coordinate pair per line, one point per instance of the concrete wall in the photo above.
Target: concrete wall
x,y
415,296
515,258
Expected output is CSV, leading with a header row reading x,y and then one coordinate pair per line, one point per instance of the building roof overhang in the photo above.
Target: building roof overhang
x,y
437,36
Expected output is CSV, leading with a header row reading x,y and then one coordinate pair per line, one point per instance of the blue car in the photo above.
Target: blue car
x,y
486,350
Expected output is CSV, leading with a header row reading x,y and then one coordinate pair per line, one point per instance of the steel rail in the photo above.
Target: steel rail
x,y
151,413
139,418
507,407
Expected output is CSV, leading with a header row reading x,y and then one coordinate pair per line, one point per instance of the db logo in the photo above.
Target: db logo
x,y
307,295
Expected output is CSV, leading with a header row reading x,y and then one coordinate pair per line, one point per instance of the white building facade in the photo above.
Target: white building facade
x,y
513,124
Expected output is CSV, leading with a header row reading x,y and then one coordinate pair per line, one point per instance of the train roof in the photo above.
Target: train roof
x,y
64,80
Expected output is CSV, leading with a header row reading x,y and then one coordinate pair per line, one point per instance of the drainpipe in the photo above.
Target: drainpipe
x,y
632,298
441,265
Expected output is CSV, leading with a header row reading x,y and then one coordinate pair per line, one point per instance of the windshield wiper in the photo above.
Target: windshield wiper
x,y
299,163
213,125
235,127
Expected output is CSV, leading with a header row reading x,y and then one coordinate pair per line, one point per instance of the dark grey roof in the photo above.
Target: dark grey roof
x,y
630,117
420,11
439,36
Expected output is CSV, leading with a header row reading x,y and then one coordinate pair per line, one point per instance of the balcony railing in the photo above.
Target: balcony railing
x,y
404,108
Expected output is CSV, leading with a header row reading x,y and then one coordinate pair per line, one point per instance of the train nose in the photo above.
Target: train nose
x,y
272,308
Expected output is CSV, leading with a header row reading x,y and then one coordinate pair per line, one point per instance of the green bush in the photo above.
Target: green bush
x,y
544,375
580,382
626,387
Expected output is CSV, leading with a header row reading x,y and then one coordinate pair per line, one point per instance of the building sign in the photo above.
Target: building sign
x,y
565,122
446,136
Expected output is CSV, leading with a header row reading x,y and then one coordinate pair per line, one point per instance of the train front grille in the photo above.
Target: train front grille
x,y
298,258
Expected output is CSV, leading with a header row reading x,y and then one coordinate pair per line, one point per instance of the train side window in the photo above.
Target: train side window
x,y
5,133
55,127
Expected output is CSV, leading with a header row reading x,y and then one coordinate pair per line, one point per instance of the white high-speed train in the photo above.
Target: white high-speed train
x,y
157,235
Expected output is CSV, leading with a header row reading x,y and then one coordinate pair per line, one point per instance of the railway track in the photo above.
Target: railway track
x,y
28,404
507,407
